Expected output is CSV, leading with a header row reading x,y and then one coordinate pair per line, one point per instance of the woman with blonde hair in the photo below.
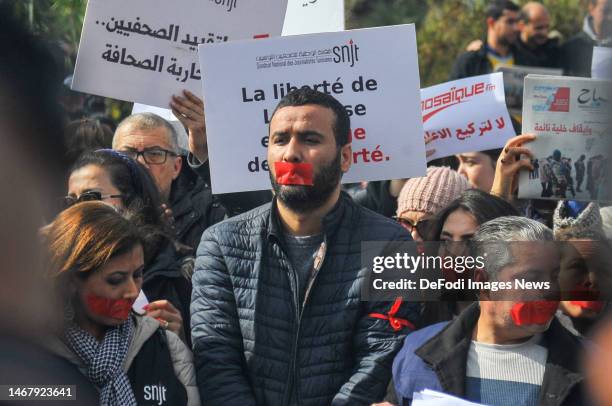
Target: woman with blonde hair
x,y
96,262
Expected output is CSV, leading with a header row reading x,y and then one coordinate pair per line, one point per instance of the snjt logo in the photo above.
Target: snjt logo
x,y
346,53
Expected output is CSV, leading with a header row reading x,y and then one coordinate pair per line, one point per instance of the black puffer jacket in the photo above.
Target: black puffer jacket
x,y
251,346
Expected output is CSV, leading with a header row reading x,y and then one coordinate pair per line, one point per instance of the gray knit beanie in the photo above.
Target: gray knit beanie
x,y
587,225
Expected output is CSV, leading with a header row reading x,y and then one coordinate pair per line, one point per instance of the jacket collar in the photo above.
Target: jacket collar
x,y
331,221
447,352
183,187
587,29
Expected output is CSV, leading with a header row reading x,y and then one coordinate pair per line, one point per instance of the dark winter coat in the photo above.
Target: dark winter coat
x,y
252,343
474,63
436,358
168,277
577,55
193,207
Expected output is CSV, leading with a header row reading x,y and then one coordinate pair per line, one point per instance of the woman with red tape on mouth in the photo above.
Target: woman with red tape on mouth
x,y
585,265
114,178
96,263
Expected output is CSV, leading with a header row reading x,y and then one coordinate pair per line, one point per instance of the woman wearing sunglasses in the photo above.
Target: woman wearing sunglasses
x,y
96,263
119,181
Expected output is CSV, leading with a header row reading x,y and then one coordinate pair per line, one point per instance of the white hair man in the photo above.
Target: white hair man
x,y
508,348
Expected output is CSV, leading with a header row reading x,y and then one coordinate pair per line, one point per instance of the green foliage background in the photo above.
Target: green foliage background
x,y
444,27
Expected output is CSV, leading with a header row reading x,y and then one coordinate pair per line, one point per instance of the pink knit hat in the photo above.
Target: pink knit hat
x,y
433,192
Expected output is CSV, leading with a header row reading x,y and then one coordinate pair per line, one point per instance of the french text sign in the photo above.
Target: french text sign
x,y
146,50
243,81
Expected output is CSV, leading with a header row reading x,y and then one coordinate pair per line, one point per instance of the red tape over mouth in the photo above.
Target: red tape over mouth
x,y
288,173
113,308
537,312
594,305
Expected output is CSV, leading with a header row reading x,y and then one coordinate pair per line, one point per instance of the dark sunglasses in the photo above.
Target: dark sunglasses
x,y
422,226
89,196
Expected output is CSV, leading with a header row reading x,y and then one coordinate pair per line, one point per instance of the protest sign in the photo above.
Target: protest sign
x,y
140,302
166,114
312,16
146,50
601,65
571,117
378,85
466,115
514,77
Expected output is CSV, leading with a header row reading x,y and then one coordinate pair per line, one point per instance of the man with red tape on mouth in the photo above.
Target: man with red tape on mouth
x,y
507,349
276,308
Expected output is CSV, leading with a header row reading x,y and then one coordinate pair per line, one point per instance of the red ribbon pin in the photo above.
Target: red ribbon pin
x,y
396,323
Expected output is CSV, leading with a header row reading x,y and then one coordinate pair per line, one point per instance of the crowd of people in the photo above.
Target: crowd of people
x,y
141,287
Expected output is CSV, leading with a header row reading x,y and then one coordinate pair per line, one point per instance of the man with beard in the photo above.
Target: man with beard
x,y
502,18
277,315
533,42
533,46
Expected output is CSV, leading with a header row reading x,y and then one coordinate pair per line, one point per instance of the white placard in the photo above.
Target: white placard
x,y
601,67
166,114
312,16
379,85
430,397
466,115
571,117
146,50
140,302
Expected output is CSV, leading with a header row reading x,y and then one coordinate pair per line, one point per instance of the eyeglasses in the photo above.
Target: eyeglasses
x,y
422,226
89,196
156,156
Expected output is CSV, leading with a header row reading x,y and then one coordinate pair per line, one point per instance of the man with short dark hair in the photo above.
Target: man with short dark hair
x,y
507,349
277,316
577,52
533,42
502,34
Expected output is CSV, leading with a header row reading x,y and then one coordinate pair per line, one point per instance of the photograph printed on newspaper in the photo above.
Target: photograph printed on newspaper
x,y
571,155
